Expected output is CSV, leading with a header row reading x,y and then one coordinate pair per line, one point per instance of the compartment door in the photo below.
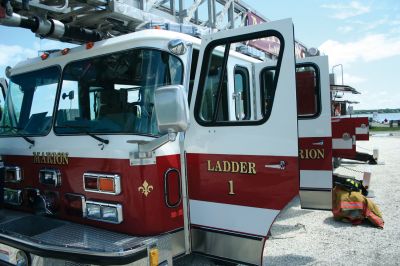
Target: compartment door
x,y
362,128
241,169
315,133
343,138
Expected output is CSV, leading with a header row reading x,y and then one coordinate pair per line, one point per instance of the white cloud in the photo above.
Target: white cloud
x,y
351,79
371,25
12,54
344,11
345,29
378,101
395,22
370,48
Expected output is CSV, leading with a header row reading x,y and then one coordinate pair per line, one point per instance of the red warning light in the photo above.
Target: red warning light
x,y
65,51
44,56
89,45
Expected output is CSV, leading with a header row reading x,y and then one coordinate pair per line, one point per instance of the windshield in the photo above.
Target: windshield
x,y
114,93
29,105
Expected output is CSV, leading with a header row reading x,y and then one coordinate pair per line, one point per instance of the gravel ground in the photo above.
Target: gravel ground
x,y
306,237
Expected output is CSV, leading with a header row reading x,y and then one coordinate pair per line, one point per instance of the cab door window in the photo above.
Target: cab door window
x,y
224,94
308,91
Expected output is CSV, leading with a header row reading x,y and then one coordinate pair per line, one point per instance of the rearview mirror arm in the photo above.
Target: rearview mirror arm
x,y
146,148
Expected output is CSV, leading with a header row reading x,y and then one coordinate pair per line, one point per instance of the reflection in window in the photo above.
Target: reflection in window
x,y
241,94
193,70
215,87
30,101
114,93
307,91
268,76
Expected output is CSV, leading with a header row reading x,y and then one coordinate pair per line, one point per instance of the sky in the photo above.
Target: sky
x,y
363,36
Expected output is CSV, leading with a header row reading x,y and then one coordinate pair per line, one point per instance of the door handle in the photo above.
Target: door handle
x,y
319,143
281,165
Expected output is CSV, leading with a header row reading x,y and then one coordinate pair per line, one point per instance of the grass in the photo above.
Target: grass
x,y
385,129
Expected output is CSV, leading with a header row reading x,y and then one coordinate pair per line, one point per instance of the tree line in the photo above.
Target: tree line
x,y
379,111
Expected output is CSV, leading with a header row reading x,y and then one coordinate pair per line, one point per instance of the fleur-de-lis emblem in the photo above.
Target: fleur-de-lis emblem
x,y
145,188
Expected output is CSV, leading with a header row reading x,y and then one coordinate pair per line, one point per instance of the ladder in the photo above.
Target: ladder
x,y
116,17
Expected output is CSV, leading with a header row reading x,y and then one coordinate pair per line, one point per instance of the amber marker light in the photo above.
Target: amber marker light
x,y
65,51
89,45
106,185
153,257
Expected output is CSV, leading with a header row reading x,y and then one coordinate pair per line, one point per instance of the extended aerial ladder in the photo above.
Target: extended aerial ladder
x,y
99,19
78,21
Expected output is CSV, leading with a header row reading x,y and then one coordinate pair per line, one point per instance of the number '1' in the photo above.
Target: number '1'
x,y
230,183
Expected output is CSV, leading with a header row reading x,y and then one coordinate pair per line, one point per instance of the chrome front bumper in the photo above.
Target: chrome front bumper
x,y
51,238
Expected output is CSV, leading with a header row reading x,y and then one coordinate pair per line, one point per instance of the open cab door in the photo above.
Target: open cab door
x,y
242,144
315,133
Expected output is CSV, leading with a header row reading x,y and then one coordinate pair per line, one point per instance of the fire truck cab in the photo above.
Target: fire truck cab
x,y
148,146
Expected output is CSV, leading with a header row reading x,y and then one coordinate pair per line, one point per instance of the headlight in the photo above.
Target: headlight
x,y
105,212
13,174
93,211
21,258
50,177
13,196
110,213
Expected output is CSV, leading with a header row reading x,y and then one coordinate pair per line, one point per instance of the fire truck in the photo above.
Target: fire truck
x,y
141,147
347,130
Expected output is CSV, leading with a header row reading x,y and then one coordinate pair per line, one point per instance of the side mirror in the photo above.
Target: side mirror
x,y
172,113
172,109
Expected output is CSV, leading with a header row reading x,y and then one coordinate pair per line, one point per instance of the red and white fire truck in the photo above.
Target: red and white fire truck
x,y
147,146
346,130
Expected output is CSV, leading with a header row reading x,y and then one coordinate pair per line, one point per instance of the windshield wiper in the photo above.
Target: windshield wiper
x,y
31,141
76,127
